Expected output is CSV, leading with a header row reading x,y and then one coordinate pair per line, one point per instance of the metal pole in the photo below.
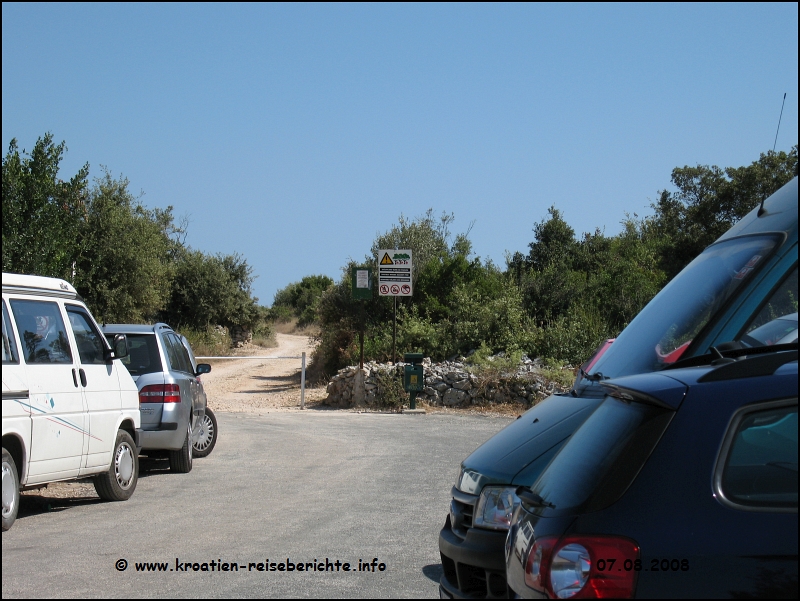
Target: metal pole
x,y
394,334
303,384
361,338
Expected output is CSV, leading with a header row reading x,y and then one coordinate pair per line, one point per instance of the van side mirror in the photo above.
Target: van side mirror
x,y
119,348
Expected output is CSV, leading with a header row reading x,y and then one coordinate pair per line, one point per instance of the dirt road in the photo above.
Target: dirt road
x,y
261,385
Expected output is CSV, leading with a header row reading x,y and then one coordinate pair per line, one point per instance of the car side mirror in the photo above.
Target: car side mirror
x,y
119,348
202,368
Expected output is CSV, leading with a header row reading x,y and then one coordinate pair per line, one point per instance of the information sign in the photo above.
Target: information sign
x,y
394,273
362,282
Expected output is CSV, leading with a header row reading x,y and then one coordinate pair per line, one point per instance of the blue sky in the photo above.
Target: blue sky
x,y
293,134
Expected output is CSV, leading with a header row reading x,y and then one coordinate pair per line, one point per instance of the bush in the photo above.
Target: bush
x,y
390,393
264,335
209,342
569,339
300,299
211,290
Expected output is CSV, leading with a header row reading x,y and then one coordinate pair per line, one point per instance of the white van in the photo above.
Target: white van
x,y
69,410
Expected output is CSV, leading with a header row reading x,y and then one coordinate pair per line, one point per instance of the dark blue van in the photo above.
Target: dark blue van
x,y
744,280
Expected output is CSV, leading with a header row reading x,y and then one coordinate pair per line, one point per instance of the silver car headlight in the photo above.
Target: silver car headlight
x,y
495,507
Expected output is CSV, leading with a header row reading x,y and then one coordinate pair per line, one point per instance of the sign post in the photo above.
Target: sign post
x,y
395,279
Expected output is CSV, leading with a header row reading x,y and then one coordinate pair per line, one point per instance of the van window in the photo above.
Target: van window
x,y
761,467
9,343
90,344
776,322
41,328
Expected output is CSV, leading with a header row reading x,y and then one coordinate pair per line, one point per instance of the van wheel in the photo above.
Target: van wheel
x,y
119,482
207,437
10,490
180,461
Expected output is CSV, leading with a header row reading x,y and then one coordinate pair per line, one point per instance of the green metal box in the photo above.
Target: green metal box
x,y
413,378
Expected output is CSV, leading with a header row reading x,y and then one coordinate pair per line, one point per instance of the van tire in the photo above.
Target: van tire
x,y
180,461
119,482
204,445
10,490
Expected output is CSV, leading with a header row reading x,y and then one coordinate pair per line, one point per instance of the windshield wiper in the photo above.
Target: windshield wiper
x,y
531,499
764,364
727,352
593,377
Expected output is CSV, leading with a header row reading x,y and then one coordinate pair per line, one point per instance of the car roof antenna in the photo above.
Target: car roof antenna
x,y
774,144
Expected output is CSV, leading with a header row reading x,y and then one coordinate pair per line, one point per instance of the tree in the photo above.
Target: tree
x,y
125,267
549,283
302,297
554,242
42,214
458,301
425,235
709,200
211,290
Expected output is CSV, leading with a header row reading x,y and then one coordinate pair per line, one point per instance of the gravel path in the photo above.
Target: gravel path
x,y
261,385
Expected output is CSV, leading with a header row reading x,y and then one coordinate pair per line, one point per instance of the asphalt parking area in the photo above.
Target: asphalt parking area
x,y
310,488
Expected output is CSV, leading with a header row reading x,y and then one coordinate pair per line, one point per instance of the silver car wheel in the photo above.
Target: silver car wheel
x,y
205,434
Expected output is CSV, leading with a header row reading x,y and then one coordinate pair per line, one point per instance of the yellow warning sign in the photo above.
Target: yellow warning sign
x,y
387,260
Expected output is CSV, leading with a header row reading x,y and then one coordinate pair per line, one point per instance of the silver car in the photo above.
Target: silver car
x,y
171,398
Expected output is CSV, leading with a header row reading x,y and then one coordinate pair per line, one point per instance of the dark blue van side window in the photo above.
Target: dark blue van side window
x,y
776,322
761,466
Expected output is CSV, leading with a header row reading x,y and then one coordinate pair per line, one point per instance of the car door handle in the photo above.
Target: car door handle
x,y
83,377
74,377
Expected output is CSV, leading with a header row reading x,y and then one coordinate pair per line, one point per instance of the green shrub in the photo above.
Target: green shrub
x,y
570,339
210,342
264,335
390,393
280,314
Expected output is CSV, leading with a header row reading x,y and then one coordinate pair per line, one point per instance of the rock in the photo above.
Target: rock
x,y
359,389
463,384
454,397
431,392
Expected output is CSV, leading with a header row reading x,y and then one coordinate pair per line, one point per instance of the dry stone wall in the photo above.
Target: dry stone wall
x,y
449,384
